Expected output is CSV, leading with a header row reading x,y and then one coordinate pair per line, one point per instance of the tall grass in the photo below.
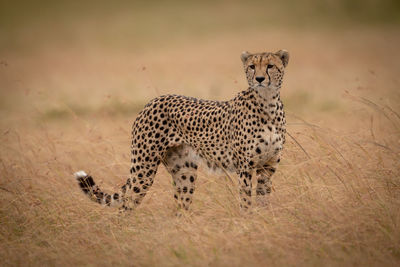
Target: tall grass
x,y
336,200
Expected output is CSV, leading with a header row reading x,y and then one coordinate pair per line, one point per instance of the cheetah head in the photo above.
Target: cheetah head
x,y
265,70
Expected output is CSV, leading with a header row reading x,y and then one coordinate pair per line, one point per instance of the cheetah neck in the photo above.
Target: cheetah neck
x,y
268,101
267,95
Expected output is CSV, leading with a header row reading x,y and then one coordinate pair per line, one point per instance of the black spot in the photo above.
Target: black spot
x,y
99,196
136,189
191,179
108,200
258,150
86,183
260,192
193,165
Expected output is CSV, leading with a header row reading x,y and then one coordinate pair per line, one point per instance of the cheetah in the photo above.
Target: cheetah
x,y
244,135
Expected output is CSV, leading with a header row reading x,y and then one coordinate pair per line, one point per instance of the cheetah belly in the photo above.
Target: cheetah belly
x,y
222,160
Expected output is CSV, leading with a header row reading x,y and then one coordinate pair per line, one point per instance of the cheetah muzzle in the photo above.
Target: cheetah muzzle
x,y
244,135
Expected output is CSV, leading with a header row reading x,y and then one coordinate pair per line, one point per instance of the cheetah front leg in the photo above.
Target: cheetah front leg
x,y
264,183
245,189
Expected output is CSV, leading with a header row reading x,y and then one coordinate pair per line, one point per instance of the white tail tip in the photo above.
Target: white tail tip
x,y
80,174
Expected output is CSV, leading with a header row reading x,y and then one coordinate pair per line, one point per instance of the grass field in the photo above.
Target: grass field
x,y
73,78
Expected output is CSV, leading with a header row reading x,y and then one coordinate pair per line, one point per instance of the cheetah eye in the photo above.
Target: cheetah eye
x,y
252,67
269,66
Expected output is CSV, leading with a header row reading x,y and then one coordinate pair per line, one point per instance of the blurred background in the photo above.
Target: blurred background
x,y
60,58
74,74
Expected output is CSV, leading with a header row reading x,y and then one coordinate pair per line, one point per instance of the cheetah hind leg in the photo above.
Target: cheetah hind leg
x,y
181,162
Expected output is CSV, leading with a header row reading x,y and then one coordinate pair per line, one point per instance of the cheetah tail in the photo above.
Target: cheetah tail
x,y
94,192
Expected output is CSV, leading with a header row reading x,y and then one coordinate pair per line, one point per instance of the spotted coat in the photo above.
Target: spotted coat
x,y
243,135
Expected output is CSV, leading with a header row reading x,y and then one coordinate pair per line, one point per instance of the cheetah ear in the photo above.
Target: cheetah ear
x,y
244,56
284,56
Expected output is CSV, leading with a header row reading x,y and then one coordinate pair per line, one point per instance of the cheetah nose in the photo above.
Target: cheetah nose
x,y
260,79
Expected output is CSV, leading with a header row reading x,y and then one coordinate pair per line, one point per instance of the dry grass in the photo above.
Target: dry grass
x,y
340,204
69,107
